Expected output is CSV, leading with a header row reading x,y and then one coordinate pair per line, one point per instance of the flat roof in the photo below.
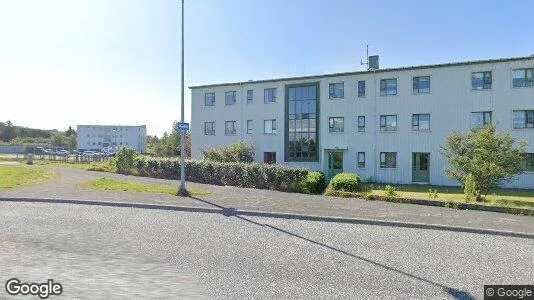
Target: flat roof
x,y
472,62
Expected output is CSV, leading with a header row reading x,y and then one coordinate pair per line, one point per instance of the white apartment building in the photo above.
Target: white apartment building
x,y
384,124
96,137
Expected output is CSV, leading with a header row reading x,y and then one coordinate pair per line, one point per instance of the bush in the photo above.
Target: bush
x,y
469,187
349,182
260,176
390,191
238,152
314,183
125,160
330,191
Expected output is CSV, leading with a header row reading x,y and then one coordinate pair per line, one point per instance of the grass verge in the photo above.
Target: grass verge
x,y
116,185
12,176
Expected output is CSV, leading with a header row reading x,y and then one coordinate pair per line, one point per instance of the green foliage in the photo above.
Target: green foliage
x,y
124,161
349,182
330,191
168,145
237,152
469,187
433,194
314,183
59,140
489,157
260,176
102,167
390,191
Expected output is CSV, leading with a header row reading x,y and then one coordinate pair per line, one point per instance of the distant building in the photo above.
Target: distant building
x,y
96,137
384,124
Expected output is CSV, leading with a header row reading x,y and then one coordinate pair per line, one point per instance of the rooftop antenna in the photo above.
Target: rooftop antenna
x,y
366,63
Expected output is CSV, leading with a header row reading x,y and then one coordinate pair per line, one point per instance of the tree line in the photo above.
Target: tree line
x,y
169,143
19,135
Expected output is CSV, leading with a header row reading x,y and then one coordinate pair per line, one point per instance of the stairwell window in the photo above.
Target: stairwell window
x,y
336,90
361,88
250,96
529,162
361,160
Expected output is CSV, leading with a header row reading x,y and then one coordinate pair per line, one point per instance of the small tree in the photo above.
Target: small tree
x,y
489,157
238,152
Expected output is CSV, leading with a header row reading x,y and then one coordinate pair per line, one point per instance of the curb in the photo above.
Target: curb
x,y
236,212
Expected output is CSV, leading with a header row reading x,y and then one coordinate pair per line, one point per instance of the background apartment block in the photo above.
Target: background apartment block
x,y
96,137
388,124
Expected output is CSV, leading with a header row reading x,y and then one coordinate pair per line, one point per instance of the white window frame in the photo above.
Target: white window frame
x,y
249,126
269,126
383,160
226,131
361,160
385,127
334,88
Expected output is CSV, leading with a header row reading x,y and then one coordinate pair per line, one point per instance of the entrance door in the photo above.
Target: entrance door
x,y
335,163
420,167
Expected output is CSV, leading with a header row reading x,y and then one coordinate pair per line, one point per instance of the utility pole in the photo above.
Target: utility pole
x,y
183,191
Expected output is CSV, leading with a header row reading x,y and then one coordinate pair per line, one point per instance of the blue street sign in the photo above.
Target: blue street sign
x,y
183,126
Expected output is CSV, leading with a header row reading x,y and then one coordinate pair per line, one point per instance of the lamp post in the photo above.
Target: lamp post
x,y
183,191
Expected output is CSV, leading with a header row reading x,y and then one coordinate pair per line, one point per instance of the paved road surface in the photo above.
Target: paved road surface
x,y
131,253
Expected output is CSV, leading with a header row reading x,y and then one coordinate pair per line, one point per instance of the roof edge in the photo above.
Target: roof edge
x,y
453,64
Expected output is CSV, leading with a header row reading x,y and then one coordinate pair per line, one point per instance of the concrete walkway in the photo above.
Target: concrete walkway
x,y
252,200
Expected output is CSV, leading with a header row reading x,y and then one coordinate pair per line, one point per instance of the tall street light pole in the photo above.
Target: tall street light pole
x,y
183,191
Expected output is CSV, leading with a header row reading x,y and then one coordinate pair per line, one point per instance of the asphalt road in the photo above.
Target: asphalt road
x,y
130,253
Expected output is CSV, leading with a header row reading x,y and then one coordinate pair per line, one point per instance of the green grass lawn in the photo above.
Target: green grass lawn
x,y
517,197
12,176
116,185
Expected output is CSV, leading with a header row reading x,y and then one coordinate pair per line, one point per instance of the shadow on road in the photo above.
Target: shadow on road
x,y
230,212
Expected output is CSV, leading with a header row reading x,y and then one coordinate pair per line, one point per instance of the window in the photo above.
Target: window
x,y
249,126
523,119
481,80
361,123
229,98
361,160
230,127
336,90
269,157
523,77
480,119
269,126
388,159
336,124
209,99
269,95
421,85
361,88
388,123
529,162
209,128
388,87
302,122
250,96
420,122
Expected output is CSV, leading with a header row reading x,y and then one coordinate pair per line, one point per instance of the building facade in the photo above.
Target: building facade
x,y
385,124
96,137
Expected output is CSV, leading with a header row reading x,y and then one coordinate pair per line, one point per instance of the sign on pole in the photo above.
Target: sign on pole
x,y
183,126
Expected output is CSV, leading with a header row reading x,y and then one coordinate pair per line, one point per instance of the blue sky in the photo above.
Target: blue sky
x,y
68,62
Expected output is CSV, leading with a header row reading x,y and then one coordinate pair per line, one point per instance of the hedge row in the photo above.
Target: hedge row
x,y
259,176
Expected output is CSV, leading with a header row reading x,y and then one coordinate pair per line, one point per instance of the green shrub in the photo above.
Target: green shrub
x,y
469,188
238,152
349,182
433,194
102,167
260,176
314,183
125,160
330,191
390,191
